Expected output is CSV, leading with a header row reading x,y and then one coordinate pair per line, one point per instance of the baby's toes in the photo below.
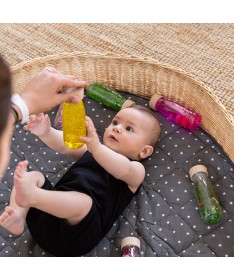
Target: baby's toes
x,y
4,218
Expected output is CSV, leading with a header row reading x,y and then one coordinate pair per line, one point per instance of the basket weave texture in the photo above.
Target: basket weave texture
x,y
205,50
143,77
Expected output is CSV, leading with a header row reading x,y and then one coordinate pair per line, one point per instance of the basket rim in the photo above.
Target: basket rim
x,y
110,55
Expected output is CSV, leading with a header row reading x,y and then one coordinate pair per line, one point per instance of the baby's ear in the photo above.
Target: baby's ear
x,y
146,151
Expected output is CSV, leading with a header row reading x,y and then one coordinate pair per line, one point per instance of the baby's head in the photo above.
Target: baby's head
x,y
133,132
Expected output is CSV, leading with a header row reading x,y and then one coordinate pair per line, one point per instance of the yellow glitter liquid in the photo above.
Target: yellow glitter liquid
x,y
73,119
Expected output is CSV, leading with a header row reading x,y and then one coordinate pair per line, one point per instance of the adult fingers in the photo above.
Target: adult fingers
x,y
71,95
51,69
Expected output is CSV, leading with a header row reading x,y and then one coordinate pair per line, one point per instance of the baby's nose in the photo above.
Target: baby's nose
x,y
117,129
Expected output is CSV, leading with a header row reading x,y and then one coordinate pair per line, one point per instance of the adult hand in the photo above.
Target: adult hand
x,y
48,89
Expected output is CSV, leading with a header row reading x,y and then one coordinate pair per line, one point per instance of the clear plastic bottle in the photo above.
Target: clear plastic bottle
x,y
130,247
175,112
73,123
207,200
108,97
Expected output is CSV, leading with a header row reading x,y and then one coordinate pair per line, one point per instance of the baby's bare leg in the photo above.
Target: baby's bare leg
x,y
13,218
69,205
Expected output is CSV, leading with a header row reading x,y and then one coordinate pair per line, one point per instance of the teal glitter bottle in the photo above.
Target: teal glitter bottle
x,y
207,200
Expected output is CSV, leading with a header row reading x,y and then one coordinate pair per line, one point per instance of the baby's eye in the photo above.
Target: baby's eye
x,y
114,122
129,128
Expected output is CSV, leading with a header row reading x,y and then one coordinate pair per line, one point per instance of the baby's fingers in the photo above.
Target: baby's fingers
x,y
30,122
90,125
46,120
85,139
34,121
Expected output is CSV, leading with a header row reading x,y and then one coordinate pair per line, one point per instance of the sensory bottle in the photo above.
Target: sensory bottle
x,y
73,123
108,97
175,112
207,200
130,247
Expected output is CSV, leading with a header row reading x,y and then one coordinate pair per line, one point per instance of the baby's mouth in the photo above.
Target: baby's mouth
x,y
113,137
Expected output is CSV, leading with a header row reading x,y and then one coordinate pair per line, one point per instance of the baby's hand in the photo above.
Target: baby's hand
x,y
92,140
38,124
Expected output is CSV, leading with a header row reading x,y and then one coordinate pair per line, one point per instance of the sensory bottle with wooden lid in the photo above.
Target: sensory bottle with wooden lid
x,y
175,112
108,97
209,207
130,247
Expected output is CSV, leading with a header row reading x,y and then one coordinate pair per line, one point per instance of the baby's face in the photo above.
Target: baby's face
x,y
128,133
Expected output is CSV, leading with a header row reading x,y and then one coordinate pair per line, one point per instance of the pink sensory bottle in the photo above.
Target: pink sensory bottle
x,y
175,112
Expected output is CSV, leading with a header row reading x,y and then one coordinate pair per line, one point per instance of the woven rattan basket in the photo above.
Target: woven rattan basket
x,y
143,77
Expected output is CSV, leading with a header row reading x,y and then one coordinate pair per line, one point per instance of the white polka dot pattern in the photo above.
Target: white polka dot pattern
x,y
164,214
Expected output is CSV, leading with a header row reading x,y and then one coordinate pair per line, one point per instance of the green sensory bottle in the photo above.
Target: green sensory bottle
x,y
108,97
207,200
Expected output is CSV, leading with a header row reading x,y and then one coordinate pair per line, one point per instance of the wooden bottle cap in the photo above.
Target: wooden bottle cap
x,y
197,168
153,100
79,92
130,241
127,103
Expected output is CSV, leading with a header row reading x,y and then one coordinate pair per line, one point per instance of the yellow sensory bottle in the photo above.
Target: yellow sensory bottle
x,y
73,121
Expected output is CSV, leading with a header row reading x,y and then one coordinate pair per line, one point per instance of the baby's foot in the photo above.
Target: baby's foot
x,y
24,183
38,124
12,220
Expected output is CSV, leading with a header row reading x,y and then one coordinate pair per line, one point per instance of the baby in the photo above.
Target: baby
x,y
70,218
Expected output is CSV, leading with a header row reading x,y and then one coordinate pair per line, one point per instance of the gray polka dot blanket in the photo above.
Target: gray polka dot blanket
x,y
164,214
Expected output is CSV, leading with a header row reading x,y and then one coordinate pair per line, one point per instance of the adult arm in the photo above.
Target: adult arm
x,y
43,92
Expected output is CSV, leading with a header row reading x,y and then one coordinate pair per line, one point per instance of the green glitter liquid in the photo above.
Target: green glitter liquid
x,y
209,206
106,96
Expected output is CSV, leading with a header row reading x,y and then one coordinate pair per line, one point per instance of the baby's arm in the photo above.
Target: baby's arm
x,y
131,172
40,126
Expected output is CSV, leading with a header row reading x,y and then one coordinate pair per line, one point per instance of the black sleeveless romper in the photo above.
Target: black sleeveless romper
x,y
110,197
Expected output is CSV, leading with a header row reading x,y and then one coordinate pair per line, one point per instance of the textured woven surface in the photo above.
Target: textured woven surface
x,y
205,50
142,77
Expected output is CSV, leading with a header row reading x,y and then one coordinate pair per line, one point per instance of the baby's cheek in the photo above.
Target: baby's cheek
x,y
127,140
104,138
